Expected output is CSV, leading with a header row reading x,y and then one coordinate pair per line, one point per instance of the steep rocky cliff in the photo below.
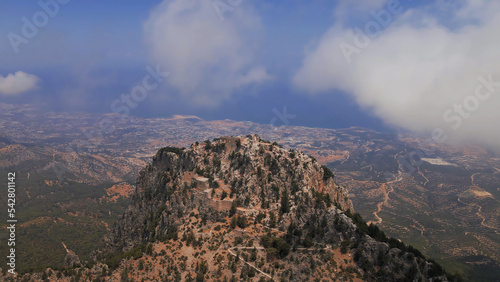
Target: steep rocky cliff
x,y
244,207
253,174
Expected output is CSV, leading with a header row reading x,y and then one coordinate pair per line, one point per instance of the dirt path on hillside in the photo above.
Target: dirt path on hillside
x,y
483,219
472,179
230,250
426,179
387,189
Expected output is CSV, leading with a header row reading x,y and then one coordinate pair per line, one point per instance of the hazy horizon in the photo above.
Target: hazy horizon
x,y
425,67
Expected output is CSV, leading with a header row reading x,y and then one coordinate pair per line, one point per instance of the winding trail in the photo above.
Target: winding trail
x,y
479,208
472,179
483,219
478,213
426,179
387,189
230,250
348,156
498,170
67,251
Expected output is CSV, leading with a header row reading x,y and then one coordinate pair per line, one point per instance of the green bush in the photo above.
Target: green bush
x,y
327,173
285,204
323,197
232,211
113,260
260,217
200,277
276,245
242,221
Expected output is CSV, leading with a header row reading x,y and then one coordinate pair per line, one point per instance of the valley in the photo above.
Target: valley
x,y
80,177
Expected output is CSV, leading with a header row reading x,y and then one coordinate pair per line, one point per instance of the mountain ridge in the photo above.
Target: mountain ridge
x,y
243,208
293,202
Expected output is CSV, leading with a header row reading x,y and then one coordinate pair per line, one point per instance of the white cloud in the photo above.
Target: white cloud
x,y
415,70
17,83
208,59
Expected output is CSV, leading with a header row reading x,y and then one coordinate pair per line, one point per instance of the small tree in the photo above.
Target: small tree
x,y
200,277
233,222
272,220
253,254
232,211
124,275
285,205
242,221
282,247
208,145
327,173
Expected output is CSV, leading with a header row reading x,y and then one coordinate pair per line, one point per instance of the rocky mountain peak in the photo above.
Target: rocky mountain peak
x,y
220,198
247,172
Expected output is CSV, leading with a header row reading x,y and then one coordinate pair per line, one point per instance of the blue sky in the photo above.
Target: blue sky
x,y
261,55
105,40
